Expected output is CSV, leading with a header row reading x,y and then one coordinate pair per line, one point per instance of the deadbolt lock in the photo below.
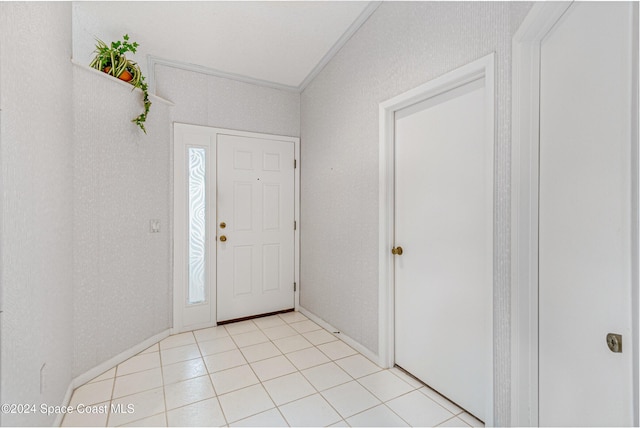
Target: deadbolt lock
x,y
223,238
614,342
396,251
223,225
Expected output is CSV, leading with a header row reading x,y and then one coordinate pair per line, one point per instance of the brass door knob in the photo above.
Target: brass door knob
x,y
396,251
223,238
223,225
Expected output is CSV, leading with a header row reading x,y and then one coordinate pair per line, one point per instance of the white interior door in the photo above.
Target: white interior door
x,y
443,222
585,217
255,245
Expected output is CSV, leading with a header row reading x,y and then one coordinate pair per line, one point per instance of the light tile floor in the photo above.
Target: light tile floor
x,y
282,370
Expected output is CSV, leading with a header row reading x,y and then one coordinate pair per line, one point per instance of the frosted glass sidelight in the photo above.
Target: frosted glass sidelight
x,y
197,226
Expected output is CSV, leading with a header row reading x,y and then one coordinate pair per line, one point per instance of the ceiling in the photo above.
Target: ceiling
x,y
281,44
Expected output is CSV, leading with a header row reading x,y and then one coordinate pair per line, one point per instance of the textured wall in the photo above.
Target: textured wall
x,y
202,99
88,25
36,205
402,45
122,275
123,179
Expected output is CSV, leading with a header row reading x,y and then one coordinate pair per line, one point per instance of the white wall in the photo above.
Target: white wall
x,y
122,272
402,45
82,277
36,206
122,179
202,99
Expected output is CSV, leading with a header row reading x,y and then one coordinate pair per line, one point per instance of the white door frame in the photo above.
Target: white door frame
x,y
180,217
524,214
483,67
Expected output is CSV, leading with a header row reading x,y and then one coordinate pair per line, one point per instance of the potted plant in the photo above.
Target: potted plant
x,y
112,60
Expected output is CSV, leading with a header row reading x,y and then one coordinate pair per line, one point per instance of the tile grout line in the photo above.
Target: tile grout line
x,y
254,373
133,373
201,357
260,382
384,403
215,391
381,402
164,393
138,420
424,385
331,360
113,389
417,390
257,328
302,374
454,417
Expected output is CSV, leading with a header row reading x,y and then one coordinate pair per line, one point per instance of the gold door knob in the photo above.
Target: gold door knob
x,y
223,238
396,251
223,225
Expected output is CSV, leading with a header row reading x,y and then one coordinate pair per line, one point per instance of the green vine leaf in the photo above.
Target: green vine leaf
x,y
112,60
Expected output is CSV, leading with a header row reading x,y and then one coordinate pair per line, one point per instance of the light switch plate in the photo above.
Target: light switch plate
x,y
154,226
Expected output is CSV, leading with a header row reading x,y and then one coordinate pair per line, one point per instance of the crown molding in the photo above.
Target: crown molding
x,y
355,26
153,60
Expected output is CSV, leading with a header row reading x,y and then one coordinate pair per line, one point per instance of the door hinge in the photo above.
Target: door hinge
x,y
295,163
295,225
295,287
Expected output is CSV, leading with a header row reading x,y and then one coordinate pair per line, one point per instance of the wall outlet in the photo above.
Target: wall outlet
x,y
154,226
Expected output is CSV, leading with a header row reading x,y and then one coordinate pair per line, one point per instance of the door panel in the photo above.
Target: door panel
x,y
256,201
443,222
585,217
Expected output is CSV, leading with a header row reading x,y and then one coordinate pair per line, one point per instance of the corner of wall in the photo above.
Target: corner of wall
x,y
36,209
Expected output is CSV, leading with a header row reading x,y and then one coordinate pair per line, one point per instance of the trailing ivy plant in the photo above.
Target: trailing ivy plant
x,y
112,60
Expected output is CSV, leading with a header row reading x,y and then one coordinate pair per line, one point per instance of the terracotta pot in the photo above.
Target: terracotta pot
x,y
125,75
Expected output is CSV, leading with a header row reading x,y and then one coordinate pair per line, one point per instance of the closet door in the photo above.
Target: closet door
x,y
585,217
443,222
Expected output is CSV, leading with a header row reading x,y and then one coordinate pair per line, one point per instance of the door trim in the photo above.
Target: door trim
x,y
524,213
179,219
483,67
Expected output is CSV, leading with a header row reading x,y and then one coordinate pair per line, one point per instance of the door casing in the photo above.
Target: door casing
x,y
483,67
180,219
524,213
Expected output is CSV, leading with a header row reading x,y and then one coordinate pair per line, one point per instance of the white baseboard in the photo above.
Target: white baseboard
x,y
107,365
346,339
112,362
65,401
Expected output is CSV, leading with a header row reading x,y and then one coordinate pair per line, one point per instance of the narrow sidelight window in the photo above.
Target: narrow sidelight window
x,y
197,225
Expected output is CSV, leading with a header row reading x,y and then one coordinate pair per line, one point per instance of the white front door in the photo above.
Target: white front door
x,y
255,226
247,181
585,217
443,222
